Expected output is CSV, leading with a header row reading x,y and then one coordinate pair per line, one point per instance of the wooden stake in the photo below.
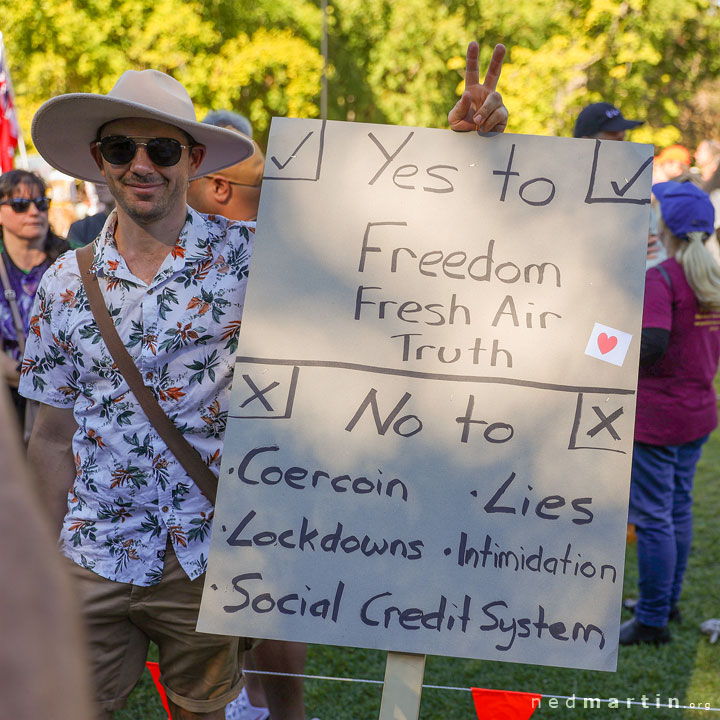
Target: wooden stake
x,y
403,686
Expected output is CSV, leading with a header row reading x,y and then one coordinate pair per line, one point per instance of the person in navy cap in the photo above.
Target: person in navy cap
x,y
603,121
676,405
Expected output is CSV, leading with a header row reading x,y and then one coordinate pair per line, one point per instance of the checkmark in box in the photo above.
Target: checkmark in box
x,y
295,149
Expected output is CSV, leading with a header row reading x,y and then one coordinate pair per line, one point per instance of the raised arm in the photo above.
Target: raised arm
x,y
481,106
51,457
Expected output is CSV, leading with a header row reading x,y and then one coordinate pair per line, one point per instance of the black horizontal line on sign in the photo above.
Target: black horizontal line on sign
x,y
447,377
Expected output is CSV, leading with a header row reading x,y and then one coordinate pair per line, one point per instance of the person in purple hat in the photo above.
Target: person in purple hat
x,y
603,121
676,405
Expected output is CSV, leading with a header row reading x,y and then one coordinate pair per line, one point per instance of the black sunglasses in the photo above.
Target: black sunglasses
x,y
21,205
121,149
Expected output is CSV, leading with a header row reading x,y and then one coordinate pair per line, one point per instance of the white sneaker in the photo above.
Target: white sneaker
x,y
241,709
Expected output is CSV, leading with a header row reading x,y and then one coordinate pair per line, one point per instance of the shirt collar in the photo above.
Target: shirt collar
x,y
198,242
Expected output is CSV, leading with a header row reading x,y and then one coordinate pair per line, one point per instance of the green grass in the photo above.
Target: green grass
x,y
686,669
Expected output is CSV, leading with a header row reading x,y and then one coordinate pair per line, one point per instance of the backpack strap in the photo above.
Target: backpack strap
x,y
665,274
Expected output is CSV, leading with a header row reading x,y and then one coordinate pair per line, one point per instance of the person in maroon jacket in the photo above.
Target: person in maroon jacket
x,y
676,404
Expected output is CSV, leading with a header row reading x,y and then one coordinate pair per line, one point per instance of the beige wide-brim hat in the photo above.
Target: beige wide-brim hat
x,y
65,126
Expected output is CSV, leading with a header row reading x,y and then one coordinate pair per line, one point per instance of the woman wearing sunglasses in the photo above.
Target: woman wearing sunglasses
x,y
27,249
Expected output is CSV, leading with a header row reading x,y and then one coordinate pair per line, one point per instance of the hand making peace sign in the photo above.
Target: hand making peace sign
x,y
481,106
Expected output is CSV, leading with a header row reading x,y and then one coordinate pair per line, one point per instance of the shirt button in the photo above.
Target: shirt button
x,y
165,508
149,376
150,291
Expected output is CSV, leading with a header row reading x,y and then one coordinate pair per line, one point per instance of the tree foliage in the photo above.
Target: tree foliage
x,y
397,62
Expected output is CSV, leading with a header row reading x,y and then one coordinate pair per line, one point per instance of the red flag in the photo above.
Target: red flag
x,y
504,704
8,123
154,669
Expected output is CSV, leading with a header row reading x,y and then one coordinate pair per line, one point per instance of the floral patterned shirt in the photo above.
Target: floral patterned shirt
x,y
130,492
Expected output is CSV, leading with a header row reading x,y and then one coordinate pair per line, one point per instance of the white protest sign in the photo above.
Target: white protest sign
x,y
427,450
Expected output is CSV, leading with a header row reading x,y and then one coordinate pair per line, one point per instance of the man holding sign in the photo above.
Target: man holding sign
x,y
132,519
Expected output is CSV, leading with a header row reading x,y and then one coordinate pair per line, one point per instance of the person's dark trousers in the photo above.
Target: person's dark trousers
x,y
661,510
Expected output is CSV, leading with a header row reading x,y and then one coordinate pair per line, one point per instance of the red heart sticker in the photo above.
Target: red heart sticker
x,y
605,343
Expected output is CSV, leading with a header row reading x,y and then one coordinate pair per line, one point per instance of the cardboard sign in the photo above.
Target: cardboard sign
x,y
430,434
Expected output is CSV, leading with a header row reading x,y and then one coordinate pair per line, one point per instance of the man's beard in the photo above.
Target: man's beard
x,y
144,213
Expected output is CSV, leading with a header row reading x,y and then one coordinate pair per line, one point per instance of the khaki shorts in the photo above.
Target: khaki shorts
x,y
200,672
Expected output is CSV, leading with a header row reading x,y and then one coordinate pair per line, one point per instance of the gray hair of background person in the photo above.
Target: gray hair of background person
x,y
713,147
228,118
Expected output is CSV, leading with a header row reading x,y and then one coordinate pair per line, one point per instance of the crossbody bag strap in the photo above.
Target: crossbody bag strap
x,y
185,454
11,297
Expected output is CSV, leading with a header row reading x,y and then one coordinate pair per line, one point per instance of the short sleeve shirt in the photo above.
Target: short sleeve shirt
x,y
676,397
130,493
